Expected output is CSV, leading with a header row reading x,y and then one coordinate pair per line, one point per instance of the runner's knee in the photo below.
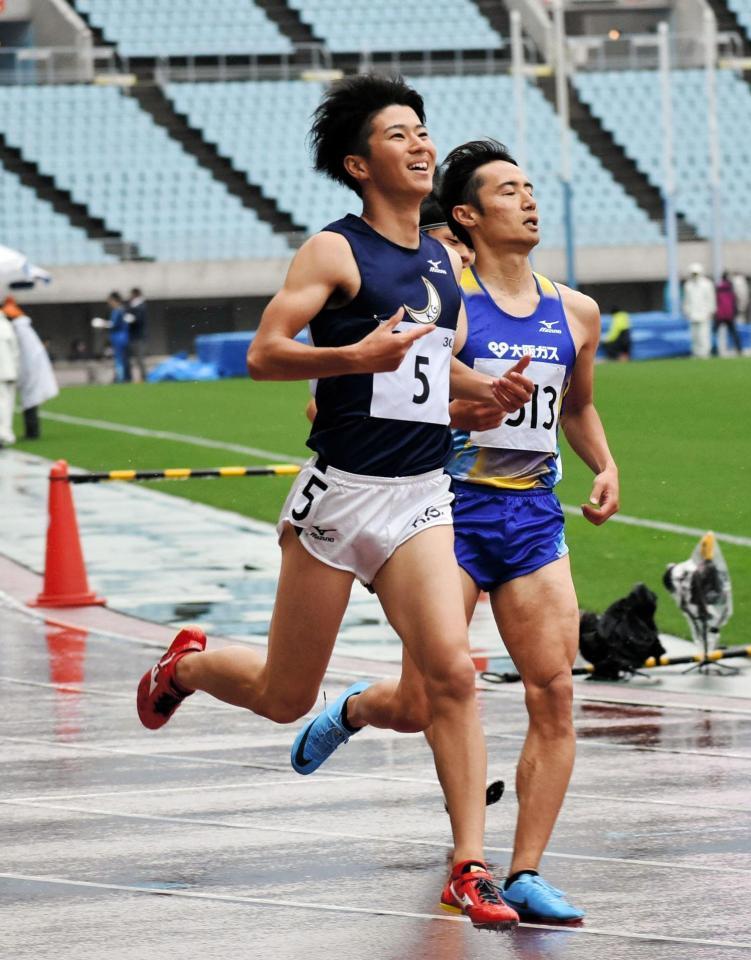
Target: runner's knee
x,y
287,707
550,702
452,679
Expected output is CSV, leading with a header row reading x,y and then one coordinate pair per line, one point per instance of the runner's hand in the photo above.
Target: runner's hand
x,y
603,501
384,349
513,389
468,415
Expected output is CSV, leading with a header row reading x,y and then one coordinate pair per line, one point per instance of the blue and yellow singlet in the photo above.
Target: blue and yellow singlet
x,y
521,454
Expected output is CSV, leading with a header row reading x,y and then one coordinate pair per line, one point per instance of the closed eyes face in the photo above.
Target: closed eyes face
x,y
506,204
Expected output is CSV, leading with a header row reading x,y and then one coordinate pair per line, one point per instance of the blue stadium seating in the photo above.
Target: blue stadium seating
x,y
628,104
398,24
184,28
98,143
742,10
30,224
243,120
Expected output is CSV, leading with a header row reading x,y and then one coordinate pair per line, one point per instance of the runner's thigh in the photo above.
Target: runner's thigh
x,y
310,602
421,594
538,619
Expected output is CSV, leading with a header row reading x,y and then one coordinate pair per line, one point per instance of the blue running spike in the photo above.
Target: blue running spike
x,y
321,736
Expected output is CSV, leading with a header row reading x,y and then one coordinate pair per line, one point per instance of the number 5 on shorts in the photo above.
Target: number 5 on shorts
x,y
309,496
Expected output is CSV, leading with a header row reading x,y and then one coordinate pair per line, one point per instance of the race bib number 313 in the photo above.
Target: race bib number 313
x,y
535,426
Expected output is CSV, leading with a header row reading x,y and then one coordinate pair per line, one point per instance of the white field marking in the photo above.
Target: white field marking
x,y
194,441
70,688
278,457
517,690
368,911
482,686
665,527
614,798
237,824
296,781
633,747
44,616
208,761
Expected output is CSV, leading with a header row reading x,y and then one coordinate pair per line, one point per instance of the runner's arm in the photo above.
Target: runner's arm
x,y
579,417
322,269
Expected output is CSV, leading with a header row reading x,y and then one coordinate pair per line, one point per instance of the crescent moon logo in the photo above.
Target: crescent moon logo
x,y
431,311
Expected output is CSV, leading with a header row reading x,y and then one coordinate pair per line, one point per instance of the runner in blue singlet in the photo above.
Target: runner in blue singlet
x,y
383,307
508,523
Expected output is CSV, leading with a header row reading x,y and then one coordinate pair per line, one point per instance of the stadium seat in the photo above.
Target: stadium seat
x,y
398,25
243,120
45,236
98,143
182,28
628,104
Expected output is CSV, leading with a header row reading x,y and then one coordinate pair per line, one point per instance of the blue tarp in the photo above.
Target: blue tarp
x,y
179,367
657,334
228,351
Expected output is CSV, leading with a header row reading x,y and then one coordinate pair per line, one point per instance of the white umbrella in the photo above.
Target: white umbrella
x,y
17,272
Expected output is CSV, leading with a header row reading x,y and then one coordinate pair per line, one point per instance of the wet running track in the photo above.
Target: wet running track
x,y
201,842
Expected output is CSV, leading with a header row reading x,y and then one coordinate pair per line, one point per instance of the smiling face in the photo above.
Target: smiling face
x,y
401,156
505,210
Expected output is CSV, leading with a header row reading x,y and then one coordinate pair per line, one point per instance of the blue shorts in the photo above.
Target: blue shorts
x,y
503,534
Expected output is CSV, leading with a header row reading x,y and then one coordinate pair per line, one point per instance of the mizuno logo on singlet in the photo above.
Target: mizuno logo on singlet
x,y
432,310
546,326
435,267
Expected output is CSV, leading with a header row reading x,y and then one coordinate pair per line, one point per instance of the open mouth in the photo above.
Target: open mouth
x,y
532,222
420,166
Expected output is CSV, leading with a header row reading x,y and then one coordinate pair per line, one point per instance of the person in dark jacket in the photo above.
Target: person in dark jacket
x,y
136,317
724,318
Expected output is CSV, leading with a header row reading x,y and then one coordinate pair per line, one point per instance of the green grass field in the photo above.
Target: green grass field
x,y
679,430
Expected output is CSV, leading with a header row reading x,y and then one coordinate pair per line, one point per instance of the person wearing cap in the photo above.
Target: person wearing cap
x,y
36,379
699,306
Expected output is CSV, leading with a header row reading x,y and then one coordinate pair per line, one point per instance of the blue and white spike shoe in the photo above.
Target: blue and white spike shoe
x,y
321,736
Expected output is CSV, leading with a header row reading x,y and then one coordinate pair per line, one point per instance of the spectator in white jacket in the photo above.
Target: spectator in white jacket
x,y
36,379
9,360
699,306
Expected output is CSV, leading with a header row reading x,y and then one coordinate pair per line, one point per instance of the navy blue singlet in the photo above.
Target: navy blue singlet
x,y
389,424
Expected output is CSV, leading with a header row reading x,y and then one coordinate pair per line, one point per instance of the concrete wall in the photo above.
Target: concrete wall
x,y
16,10
56,24
241,279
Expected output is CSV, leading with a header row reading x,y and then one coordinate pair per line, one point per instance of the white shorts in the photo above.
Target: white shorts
x,y
356,522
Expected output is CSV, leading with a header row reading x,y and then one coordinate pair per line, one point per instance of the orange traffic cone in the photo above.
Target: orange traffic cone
x,y
65,582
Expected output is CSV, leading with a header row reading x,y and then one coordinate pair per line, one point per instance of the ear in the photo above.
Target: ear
x,y
356,166
465,215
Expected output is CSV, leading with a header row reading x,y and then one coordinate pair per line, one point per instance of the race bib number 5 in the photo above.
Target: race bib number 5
x,y
419,389
535,426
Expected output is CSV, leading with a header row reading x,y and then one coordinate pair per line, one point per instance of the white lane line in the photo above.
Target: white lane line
x,y
665,527
631,747
245,785
482,686
367,911
188,438
276,456
510,689
687,806
207,761
86,689
238,824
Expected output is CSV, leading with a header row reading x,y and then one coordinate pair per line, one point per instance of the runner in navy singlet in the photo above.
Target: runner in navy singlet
x,y
507,519
383,306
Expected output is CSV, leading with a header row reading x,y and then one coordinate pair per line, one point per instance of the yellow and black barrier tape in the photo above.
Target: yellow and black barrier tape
x,y
185,473
721,653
